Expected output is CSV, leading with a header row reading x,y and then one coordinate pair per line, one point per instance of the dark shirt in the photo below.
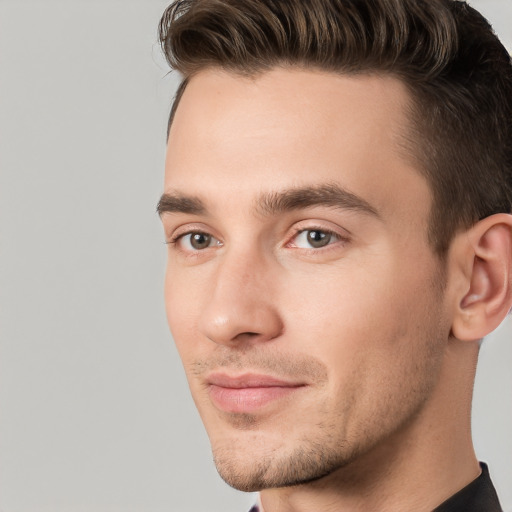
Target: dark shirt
x,y
478,496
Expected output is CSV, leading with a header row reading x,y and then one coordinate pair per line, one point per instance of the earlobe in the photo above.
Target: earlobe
x,y
488,292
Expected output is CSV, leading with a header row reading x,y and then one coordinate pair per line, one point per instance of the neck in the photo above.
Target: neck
x,y
417,468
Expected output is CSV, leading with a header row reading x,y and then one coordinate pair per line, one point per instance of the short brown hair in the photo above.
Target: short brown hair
x,y
457,71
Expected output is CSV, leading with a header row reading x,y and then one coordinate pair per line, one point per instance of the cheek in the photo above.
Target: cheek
x,y
368,318
181,304
339,308
380,345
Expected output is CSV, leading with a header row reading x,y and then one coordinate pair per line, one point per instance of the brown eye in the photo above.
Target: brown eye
x,y
200,240
194,241
318,238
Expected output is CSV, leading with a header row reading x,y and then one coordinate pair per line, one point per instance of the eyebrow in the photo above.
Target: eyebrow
x,y
273,203
175,202
330,195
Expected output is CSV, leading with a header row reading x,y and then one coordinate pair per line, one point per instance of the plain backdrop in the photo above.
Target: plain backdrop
x,y
95,414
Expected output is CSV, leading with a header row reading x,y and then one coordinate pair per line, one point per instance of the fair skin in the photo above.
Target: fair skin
x,y
331,354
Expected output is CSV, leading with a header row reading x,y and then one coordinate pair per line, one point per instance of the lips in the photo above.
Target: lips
x,y
248,393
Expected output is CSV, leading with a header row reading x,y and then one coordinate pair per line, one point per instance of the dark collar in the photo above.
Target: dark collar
x,y
478,496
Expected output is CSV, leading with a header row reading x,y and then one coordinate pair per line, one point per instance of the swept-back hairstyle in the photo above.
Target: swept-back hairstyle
x,y
458,73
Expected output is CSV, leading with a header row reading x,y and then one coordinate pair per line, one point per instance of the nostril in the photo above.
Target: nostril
x,y
252,336
247,334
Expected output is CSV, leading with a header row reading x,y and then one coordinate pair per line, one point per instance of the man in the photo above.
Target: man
x,y
337,203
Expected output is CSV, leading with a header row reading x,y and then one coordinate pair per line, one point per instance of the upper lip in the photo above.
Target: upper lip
x,y
249,380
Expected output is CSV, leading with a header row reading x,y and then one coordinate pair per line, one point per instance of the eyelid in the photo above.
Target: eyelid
x,y
176,238
334,238
186,239
176,232
341,234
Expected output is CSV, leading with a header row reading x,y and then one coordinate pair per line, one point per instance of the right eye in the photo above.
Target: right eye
x,y
195,241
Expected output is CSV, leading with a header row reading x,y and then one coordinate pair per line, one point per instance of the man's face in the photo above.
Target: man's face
x,y
301,290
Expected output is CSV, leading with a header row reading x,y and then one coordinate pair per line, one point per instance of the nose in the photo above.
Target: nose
x,y
241,307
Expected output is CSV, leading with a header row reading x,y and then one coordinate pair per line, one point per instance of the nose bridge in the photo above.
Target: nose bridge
x,y
240,305
238,267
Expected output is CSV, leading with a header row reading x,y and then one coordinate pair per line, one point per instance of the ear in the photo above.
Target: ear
x,y
485,298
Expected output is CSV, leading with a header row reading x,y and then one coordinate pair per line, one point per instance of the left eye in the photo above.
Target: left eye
x,y
314,238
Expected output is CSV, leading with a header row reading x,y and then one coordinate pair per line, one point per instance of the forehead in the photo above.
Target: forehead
x,y
304,100
291,127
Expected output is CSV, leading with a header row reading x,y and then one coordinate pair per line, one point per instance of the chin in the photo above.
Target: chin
x,y
250,470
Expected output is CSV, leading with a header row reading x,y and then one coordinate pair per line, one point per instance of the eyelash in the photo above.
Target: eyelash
x,y
329,232
174,240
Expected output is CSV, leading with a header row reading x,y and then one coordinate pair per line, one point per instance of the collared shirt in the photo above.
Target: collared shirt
x,y
478,496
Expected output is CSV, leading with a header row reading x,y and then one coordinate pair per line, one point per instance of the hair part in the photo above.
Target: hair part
x,y
458,73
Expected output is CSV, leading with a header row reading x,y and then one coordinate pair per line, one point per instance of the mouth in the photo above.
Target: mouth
x,y
248,393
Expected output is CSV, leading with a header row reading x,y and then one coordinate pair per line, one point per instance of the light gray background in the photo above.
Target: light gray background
x,y
95,414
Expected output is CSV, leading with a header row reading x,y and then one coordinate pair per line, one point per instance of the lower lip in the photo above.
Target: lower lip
x,y
248,400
